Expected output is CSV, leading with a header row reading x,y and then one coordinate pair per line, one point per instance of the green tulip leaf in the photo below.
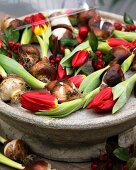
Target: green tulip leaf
x,y
92,81
26,36
69,42
66,61
123,98
93,41
122,154
90,96
129,36
118,89
13,67
128,19
69,70
127,63
103,47
63,109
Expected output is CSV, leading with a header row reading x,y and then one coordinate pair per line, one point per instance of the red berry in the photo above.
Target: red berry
x,y
57,59
52,61
98,64
62,50
118,26
51,57
132,27
83,31
94,166
11,43
98,53
127,28
9,55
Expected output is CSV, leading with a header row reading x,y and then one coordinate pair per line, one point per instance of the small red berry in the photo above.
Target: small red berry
x,y
11,43
118,26
94,166
52,61
9,55
127,28
98,53
57,59
83,31
62,50
132,27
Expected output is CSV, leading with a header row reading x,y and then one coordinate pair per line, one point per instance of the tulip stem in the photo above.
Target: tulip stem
x,y
6,161
2,140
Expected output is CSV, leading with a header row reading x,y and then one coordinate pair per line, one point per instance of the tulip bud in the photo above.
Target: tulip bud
x,y
35,101
16,150
114,42
83,31
61,73
103,101
77,80
80,58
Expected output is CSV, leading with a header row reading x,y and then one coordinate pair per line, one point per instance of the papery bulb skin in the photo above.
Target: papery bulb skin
x,y
44,70
84,17
39,165
63,90
16,150
29,55
11,88
102,29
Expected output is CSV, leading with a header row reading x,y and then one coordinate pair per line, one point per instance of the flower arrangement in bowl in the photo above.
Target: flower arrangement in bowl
x,y
68,72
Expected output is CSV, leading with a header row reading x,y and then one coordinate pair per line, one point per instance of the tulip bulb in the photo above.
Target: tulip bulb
x,y
43,70
28,55
13,22
11,88
16,150
63,90
39,165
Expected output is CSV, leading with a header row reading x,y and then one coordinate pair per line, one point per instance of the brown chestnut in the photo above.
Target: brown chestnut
x,y
119,53
113,75
63,90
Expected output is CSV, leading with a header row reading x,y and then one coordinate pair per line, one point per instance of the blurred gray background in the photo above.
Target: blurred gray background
x,y
23,7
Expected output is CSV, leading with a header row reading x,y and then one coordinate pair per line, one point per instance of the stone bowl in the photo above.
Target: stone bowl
x,y
68,139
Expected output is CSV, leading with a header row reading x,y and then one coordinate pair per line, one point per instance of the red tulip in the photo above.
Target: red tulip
x,y
80,58
83,31
114,42
77,80
35,101
61,72
39,24
103,101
